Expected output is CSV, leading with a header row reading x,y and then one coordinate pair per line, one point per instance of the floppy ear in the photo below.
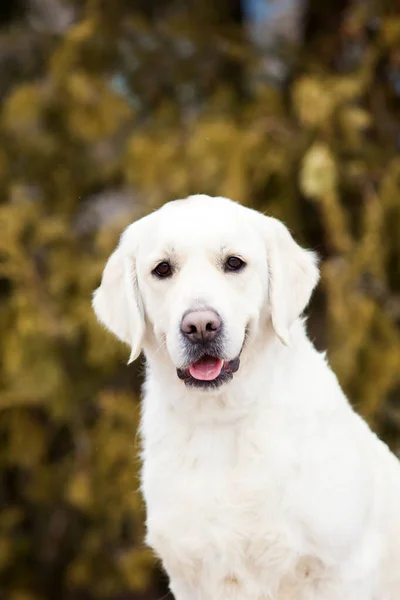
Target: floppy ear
x,y
293,274
117,302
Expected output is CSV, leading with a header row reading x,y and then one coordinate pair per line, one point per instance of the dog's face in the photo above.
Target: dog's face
x,y
198,277
202,277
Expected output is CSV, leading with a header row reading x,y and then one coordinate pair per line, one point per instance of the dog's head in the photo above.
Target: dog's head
x,y
191,281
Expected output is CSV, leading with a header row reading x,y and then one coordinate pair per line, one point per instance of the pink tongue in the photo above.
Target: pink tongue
x,y
206,369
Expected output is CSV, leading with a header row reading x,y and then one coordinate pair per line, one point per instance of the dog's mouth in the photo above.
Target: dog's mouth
x,y
209,371
207,368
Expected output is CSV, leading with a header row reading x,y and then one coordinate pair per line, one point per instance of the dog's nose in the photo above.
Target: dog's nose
x,y
201,325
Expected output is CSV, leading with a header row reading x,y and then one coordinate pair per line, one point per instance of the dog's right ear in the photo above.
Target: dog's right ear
x,y
117,302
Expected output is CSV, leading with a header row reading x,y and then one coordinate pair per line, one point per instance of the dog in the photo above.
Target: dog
x,y
259,479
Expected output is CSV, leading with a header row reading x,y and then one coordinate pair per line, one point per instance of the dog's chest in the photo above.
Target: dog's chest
x,y
214,509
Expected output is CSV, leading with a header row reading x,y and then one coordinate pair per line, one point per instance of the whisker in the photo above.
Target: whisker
x,y
169,593
162,345
248,340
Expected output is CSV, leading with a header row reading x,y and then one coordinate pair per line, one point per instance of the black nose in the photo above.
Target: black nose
x,y
201,326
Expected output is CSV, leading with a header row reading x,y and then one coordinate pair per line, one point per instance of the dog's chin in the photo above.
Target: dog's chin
x,y
209,372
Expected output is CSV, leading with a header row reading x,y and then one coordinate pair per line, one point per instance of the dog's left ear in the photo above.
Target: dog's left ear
x,y
117,301
293,274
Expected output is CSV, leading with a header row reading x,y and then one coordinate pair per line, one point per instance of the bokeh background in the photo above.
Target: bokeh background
x,y
107,110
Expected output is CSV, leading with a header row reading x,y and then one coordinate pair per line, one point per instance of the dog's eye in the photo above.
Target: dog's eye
x,y
233,263
162,270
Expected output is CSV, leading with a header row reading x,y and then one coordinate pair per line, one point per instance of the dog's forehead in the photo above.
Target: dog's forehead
x,y
205,211
202,222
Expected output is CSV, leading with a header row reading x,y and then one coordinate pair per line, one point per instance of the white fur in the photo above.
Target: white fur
x,y
271,487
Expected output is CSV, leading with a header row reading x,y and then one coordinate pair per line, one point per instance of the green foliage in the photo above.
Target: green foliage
x,y
126,113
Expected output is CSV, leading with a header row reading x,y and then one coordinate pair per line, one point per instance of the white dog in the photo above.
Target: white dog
x,y
260,481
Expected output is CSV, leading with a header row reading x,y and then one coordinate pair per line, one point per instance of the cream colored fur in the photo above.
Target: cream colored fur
x,y
270,487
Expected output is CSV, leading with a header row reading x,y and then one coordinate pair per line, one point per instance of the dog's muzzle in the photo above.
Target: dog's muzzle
x,y
206,364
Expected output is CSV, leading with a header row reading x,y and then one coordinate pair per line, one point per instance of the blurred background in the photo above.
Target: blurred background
x,y
109,109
